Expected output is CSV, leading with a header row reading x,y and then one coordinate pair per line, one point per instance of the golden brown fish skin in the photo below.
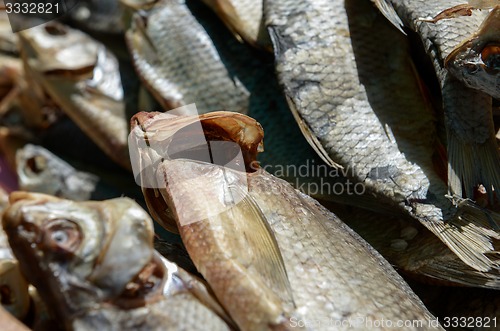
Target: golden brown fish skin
x,y
245,20
345,113
475,61
73,253
191,71
82,77
330,273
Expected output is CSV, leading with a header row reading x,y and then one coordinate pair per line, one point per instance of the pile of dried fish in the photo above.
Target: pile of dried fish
x,y
373,193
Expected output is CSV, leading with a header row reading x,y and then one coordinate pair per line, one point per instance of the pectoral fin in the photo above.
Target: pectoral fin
x,y
472,234
267,260
390,13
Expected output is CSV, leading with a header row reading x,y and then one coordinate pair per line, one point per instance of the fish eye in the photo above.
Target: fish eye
x,y
491,56
61,235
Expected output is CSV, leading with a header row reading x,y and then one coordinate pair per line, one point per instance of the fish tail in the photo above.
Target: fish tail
x,y
472,234
472,164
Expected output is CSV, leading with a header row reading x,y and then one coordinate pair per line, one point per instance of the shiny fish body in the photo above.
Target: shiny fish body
x,y
244,18
179,63
343,99
473,156
277,258
476,61
82,77
39,170
73,252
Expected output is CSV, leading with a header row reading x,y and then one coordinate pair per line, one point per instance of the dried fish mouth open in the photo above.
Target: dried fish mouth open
x,y
249,233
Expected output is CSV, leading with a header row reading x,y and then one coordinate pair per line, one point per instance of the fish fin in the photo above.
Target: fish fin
x,y
470,234
259,237
310,137
472,164
390,14
279,48
456,272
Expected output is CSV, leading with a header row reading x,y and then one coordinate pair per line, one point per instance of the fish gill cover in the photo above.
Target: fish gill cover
x,y
154,151
25,14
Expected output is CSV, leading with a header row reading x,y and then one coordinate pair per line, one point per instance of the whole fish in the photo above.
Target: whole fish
x,y
39,170
177,60
95,266
473,156
278,259
328,61
82,77
244,18
476,61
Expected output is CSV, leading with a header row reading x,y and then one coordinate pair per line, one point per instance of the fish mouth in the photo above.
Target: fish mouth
x,y
221,126
146,287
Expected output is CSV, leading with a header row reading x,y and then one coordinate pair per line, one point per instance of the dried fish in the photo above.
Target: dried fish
x,y
278,260
82,77
328,60
93,263
473,156
476,61
39,170
177,60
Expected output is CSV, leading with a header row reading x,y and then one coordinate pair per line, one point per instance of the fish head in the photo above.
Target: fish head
x,y
38,170
78,254
476,61
216,149
54,48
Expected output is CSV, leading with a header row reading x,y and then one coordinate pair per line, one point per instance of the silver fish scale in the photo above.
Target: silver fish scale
x,y
179,312
186,67
351,280
439,40
366,109
472,149
320,75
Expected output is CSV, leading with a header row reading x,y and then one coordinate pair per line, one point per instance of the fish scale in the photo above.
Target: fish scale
x,y
330,264
371,130
472,150
278,259
176,58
